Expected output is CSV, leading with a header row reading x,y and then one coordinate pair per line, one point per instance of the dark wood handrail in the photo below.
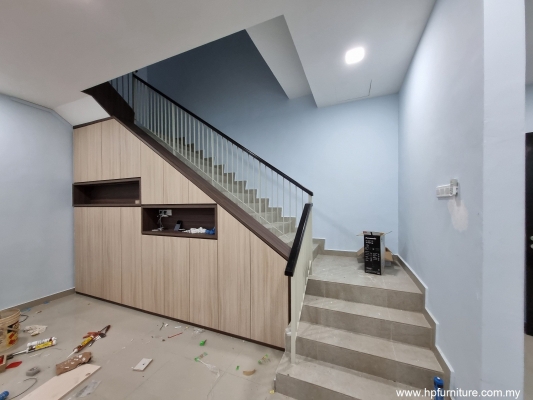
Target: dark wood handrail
x,y
298,240
225,136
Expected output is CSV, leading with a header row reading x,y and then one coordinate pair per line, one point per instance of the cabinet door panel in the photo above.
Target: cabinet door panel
x,y
80,162
94,257
112,254
130,223
233,275
130,154
87,156
111,155
270,291
152,274
151,176
176,277
196,196
203,282
81,251
176,186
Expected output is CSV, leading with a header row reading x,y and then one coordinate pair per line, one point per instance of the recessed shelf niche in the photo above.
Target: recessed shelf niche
x,y
191,215
114,193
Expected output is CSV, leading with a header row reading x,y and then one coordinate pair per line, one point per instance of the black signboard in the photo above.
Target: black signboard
x,y
373,254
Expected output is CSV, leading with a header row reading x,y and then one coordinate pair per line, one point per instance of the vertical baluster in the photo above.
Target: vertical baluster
x,y
283,209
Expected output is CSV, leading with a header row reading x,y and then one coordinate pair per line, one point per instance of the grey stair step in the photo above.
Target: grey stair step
x,y
398,362
387,323
310,379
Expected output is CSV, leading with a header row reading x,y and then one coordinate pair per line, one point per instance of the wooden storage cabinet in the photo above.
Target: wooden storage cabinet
x,y
87,142
203,283
130,234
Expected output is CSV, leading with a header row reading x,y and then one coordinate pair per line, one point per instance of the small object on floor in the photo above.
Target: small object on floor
x,y
236,369
211,368
200,357
89,338
264,360
33,371
202,343
14,364
142,364
34,329
73,363
248,373
38,312
197,331
34,346
272,391
438,384
3,395
3,362
175,335
87,390
57,387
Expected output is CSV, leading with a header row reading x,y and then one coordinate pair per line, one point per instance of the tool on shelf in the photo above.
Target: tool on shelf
x,y
89,339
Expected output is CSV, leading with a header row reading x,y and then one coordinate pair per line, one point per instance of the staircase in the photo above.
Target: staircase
x,y
268,195
360,336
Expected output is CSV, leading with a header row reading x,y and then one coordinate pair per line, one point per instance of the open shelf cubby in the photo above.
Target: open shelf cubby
x,y
114,193
191,216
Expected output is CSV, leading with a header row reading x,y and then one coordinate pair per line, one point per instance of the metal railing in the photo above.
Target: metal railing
x,y
298,269
266,193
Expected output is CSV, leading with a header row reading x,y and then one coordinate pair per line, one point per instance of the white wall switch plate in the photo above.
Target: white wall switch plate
x,y
142,364
448,190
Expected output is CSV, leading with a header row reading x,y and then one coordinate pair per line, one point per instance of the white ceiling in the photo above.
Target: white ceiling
x,y
51,50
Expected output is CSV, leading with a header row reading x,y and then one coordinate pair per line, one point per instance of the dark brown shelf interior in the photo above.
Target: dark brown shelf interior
x,y
119,193
192,216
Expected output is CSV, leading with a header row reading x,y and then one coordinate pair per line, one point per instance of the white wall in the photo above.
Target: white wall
x,y
453,122
36,233
529,109
346,154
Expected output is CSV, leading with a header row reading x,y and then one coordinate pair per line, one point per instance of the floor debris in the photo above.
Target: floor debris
x,y
34,330
203,342
248,373
142,364
33,371
197,331
236,369
265,359
211,368
200,357
25,390
73,363
175,335
14,364
87,390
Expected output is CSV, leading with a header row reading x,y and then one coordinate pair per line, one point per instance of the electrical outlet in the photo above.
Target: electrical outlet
x,y
165,213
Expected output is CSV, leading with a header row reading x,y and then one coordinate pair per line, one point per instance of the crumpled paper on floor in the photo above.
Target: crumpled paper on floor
x,y
34,329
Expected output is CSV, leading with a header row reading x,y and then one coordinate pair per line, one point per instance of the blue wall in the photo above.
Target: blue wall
x,y
346,154
36,233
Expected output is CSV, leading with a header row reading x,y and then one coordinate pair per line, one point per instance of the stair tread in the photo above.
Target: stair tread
x,y
368,310
350,383
400,352
347,270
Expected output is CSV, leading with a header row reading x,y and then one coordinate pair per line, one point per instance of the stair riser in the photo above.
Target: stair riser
x,y
369,364
301,390
398,332
368,295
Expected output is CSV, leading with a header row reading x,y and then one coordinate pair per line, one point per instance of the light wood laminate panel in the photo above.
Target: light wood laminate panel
x,y
203,283
81,249
112,254
269,292
111,154
94,256
151,176
130,225
196,196
233,275
152,274
175,187
130,154
80,162
176,277
94,152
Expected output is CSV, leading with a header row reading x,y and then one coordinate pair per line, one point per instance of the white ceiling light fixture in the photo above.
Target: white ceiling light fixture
x,y
354,55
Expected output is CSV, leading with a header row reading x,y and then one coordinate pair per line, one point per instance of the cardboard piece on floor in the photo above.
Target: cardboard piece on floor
x,y
59,386
142,364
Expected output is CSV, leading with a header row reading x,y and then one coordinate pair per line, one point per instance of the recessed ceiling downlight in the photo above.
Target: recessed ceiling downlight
x,y
354,55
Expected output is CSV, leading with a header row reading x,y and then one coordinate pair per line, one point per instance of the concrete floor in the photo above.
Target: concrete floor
x,y
528,367
173,373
